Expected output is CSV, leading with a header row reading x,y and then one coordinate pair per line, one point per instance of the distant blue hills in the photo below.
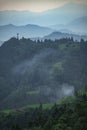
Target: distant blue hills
x,y
76,27
61,15
69,18
27,31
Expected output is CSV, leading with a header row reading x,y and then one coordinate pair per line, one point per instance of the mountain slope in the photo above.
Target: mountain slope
x,y
40,72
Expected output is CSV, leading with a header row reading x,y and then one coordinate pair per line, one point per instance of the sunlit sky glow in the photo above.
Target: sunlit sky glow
x,y
35,5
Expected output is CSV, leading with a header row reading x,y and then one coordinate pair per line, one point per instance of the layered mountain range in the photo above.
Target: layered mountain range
x,y
77,29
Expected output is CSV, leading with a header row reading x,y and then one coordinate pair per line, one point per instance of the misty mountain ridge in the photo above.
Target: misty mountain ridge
x,y
76,26
73,28
29,30
60,35
63,15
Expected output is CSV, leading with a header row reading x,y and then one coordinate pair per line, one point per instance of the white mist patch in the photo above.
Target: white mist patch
x,y
56,94
67,90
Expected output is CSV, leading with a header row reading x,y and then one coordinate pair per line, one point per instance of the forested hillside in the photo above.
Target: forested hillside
x,y
34,72
69,114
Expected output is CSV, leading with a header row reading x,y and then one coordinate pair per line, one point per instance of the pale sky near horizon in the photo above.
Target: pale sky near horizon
x,y
35,5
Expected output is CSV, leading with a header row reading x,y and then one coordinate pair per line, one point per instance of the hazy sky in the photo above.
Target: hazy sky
x,y
35,5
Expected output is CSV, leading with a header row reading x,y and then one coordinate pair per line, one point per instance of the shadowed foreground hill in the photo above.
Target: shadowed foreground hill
x,y
40,72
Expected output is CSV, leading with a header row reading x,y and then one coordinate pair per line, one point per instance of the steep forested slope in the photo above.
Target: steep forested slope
x,y
40,72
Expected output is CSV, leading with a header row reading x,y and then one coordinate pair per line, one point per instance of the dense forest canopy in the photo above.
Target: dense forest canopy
x,y
34,72
69,114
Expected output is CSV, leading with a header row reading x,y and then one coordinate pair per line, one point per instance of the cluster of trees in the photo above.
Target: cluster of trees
x,y
68,115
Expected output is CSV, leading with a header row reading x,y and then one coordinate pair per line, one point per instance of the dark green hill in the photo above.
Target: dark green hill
x,y
40,72
70,114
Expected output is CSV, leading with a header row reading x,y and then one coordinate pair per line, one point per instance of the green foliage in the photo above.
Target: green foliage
x,y
68,116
